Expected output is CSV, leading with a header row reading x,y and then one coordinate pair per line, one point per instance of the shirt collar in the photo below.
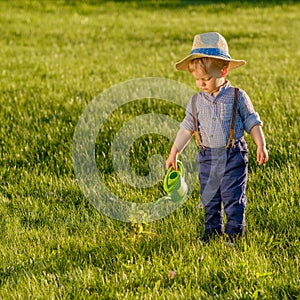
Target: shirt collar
x,y
225,86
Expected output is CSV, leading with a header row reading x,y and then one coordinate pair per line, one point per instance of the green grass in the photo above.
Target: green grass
x,y
55,58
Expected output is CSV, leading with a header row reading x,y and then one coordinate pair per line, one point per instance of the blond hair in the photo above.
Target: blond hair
x,y
211,66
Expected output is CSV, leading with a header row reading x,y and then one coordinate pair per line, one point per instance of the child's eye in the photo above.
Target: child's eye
x,y
207,79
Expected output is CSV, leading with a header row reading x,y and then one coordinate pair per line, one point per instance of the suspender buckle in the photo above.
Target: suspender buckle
x,y
198,140
231,141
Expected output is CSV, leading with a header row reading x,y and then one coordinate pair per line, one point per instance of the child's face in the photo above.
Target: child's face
x,y
205,82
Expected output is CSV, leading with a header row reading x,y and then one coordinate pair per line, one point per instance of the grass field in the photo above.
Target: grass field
x,y
55,58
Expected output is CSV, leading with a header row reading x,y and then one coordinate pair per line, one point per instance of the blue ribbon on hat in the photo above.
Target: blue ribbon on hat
x,y
211,52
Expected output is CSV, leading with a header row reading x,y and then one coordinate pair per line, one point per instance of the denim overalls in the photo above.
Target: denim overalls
x,y
223,176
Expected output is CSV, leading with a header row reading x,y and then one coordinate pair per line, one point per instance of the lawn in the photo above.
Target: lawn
x,y
56,57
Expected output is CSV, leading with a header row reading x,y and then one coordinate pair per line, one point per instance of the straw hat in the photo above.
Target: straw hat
x,y
210,44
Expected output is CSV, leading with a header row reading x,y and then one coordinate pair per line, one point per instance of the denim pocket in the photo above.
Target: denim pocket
x,y
204,156
243,151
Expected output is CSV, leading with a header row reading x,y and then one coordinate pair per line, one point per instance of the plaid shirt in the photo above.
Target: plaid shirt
x,y
214,115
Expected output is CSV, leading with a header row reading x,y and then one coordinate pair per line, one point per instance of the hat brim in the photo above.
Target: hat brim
x,y
183,64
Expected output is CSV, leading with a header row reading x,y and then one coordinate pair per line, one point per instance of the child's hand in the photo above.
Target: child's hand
x,y
259,139
262,155
171,161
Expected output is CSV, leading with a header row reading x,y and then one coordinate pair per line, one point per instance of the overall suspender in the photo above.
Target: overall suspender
x,y
233,120
197,134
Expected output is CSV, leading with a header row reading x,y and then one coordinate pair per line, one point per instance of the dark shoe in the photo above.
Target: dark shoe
x,y
232,239
235,232
208,236
205,238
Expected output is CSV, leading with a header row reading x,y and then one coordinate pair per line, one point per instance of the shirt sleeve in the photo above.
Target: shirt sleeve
x,y
188,122
182,139
249,116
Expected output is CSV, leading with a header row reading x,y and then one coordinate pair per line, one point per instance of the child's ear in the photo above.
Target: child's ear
x,y
224,72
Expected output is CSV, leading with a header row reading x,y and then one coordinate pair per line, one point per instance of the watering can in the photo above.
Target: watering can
x,y
174,183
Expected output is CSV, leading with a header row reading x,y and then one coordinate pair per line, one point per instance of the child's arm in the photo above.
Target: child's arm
x,y
259,139
171,161
182,138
